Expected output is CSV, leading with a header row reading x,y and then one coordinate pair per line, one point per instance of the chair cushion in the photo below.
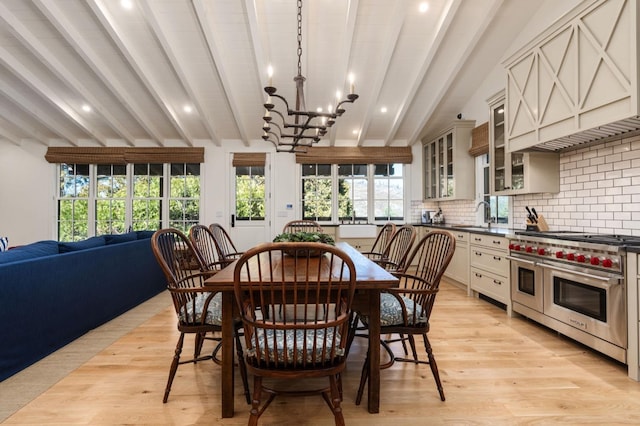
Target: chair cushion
x,y
391,310
4,243
214,312
312,340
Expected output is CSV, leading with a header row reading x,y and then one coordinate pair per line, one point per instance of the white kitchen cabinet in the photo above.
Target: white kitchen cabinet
x,y
458,268
490,268
514,173
448,166
569,84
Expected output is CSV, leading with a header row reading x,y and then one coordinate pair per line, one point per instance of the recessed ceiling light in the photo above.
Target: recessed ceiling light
x,y
86,108
355,132
383,110
126,4
424,6
187,109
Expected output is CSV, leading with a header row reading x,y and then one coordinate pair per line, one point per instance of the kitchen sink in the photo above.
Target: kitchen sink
x,y
357,231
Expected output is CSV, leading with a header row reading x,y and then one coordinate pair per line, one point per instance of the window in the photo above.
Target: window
x,y
114,198
498,211
73,202
362,192
250,193
388,193
148,186
352,192
317,192
111,198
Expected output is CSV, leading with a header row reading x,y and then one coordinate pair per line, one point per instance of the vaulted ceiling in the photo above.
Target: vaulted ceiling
x,y
98,73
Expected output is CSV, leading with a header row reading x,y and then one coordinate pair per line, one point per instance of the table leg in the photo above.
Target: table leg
x,y
228,354
373,389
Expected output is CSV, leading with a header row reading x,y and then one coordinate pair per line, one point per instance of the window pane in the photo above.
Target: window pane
x,y
250,193
388,192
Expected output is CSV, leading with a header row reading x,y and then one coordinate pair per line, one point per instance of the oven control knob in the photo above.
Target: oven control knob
x,y
559,254
581,258
595,260
529,249
607,263
571,256
542,251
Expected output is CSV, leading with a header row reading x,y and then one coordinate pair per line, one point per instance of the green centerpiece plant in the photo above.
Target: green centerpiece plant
x,y
305,237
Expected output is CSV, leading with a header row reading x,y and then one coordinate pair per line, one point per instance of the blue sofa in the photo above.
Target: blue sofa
x,y
52,293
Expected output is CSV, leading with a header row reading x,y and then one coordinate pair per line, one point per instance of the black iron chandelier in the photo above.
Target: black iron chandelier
x,y
307,127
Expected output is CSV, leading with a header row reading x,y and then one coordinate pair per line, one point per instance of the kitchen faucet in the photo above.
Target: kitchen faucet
x,y
487,206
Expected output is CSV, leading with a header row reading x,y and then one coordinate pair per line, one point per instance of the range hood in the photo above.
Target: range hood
x,y
612,131
577,83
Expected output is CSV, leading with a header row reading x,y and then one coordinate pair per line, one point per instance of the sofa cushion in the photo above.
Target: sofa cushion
x,y
30,251
120,238
4,243
66,247
142,235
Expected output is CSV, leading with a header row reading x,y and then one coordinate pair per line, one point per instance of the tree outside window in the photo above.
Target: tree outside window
x,y
250,193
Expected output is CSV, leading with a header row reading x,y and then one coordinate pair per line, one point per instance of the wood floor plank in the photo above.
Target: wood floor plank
x,y
495,371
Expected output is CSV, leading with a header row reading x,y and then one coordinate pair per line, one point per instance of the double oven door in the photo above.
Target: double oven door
x,y
526,284
595,304
591,302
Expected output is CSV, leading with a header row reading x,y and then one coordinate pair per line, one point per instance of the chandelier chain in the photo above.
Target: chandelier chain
x,y
299,37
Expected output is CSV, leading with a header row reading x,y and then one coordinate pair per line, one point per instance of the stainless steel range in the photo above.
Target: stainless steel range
x,y
573,283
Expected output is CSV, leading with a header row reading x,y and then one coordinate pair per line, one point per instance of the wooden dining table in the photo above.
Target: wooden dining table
x,y
370,280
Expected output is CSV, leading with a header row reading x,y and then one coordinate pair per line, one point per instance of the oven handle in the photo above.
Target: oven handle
x,y
517,259
611,280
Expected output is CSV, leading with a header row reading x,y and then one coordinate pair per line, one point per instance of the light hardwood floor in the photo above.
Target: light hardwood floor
x,y
495,370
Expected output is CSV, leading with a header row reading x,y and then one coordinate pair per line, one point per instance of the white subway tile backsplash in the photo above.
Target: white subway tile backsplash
x,y
599,192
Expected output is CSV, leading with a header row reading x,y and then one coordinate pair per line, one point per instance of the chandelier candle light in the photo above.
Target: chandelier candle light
x,y
308,126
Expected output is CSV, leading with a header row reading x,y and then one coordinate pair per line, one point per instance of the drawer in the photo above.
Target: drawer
x,y
489,241
461,237
489,260
494,286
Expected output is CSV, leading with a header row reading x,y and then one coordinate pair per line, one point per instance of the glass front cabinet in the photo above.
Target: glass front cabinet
x,y
517,172
448,167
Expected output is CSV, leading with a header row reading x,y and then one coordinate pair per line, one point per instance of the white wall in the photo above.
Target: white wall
x,y
27,185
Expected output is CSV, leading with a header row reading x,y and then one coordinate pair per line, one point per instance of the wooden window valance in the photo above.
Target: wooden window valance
x,y
247,159
480,140
109,155
355,155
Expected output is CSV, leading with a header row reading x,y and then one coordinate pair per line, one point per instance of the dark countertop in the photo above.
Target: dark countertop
x,y
503,232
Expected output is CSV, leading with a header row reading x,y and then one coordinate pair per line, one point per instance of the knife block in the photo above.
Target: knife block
x,y
541,226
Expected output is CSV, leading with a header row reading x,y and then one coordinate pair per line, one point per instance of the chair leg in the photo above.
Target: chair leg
x,y
412,343
255,412
363,379
333,400
243,368
174,367
433,365
198,346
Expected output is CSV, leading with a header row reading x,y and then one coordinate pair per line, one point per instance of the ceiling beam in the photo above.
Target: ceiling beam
x,y
8,135
67,76
347,44
446,18
392,39
216,58
442,90
178,68
93,60
9,113
33,108
134,58
39,86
